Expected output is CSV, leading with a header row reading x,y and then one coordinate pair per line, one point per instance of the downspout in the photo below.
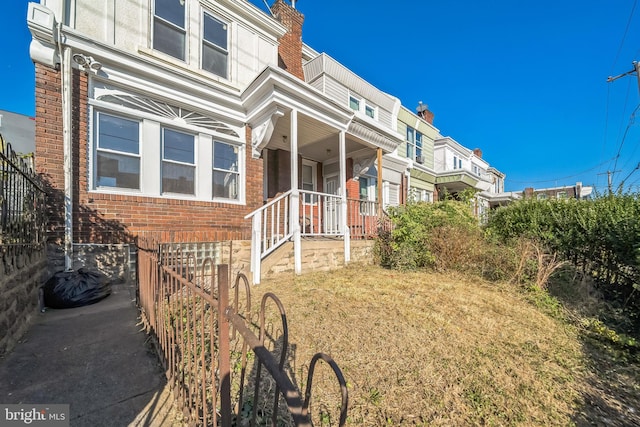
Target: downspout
x,y
379,165
65,87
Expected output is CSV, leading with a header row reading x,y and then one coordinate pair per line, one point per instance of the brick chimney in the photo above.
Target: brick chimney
x,y
290,48
528,192
477,152
424,112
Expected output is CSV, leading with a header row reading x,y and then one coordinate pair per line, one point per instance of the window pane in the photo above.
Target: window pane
x,y
178,146
369,111
171,10
225,185
178,178
214,60
225,156
409,150
354,103
410,135
116,170
215,31
116,133
168,39
364,188
418,139
307,174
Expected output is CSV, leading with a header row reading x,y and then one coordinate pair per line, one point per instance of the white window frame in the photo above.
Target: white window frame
x,y
214,46
150,152
374,110
240,173
412,145
182,29
163,160
314,180
353,99
96,149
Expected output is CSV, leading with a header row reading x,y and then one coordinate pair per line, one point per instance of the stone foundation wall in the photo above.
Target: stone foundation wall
x,y
21,276
114,260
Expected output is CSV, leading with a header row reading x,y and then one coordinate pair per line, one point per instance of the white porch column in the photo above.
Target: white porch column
x,y
294,219
343,193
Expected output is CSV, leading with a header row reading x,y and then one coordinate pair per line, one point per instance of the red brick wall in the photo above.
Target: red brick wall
x,y
290,47
111,218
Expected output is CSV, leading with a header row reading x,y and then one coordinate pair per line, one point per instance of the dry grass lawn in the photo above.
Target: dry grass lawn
x,y
431,349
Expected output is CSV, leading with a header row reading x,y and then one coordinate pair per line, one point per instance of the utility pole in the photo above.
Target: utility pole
x,y
609,179
636,69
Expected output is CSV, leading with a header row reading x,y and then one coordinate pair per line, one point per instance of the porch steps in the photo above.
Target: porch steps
x,y
318,254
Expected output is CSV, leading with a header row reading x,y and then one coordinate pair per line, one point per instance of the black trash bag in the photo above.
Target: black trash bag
x,y
76,288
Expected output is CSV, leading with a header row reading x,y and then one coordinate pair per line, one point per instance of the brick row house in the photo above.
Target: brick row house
x,y
213,117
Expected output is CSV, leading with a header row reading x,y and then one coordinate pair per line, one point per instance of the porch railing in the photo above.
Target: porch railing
x,y
319,214
216,353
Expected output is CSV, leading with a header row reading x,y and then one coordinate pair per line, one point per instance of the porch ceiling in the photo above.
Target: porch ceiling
x,y
316,140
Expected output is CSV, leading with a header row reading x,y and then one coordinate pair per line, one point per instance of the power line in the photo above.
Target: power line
x,y
624,36
565,177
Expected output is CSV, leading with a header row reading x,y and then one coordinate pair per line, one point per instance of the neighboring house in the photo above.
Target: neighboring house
x,y
459,168
19,131
418,149
577,191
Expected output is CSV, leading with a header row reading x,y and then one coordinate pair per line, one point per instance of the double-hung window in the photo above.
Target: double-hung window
x,y
414,144
215,51
226,171
117,152
169,33
178,162
410,142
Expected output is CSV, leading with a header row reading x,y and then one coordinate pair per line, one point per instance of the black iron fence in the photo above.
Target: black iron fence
x,y
22,201
216,352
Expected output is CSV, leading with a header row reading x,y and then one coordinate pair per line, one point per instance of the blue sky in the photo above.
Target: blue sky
x,y
524,81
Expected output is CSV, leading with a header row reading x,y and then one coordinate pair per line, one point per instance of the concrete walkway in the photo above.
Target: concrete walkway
x,y
94,358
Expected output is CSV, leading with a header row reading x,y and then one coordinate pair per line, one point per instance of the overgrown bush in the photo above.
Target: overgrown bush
x,y
600,237
445,236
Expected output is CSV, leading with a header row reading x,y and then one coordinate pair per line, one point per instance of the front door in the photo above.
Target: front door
x,y
332,206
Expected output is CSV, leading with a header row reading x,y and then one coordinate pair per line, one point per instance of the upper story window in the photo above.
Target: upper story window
x,y
354,103
370,111
561,195
215,53
414,145
169,32
117,152
362,106
541,196
457,162
178,162
476,170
